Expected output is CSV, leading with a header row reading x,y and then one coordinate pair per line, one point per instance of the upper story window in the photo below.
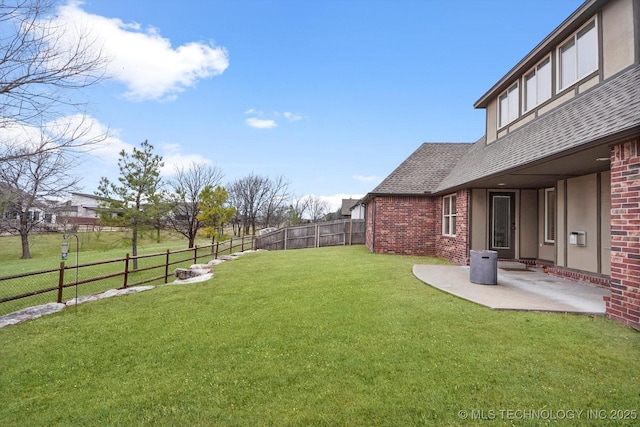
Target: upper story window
x,y
537,85
578,56
508,105
449,214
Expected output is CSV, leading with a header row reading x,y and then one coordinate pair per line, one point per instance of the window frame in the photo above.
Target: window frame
x,y
535,72
550,224
449,215
515,88
574,40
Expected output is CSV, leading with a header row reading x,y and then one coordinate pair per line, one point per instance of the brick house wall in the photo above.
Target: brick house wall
x,y
624,303
455,249
403,225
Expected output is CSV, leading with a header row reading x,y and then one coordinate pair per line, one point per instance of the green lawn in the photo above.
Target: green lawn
x,y
329,336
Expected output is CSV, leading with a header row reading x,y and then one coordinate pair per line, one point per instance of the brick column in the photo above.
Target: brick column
x,y
624,304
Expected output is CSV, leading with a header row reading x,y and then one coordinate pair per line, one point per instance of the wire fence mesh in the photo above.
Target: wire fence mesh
x,y
62,284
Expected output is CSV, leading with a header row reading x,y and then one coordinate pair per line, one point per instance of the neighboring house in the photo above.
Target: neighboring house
x,y
358,211
41,212
81,209
556,178
347,205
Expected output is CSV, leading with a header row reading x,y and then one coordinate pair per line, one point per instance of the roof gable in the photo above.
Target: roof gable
x,y
423,170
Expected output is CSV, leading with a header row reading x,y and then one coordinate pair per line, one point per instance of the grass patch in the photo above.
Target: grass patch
x,y
328,336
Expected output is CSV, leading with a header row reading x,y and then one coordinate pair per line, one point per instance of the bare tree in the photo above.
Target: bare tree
x,y
259,198
247,195
317,208
42,67
274,209
297,209
28,181
186,187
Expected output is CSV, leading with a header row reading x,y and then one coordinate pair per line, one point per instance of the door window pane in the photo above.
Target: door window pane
x,y
501,222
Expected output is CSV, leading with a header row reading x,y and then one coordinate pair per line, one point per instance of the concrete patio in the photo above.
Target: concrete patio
x,y
518,288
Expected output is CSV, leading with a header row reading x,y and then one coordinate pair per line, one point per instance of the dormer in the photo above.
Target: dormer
x,y
595,43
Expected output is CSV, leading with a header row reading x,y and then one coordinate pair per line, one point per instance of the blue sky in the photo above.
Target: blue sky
x,y
333,94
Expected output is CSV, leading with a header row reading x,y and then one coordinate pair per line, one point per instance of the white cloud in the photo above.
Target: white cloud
x,y
260,123
83,132
145,61
173,158
369,178
292,117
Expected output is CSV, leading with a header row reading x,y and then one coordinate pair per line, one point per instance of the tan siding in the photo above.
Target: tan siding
x,y
617,36
479,221
605,221
582,210
527,226
553,104
492,121
546,251
561,232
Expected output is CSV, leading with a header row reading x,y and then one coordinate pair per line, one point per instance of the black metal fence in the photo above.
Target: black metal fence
x,y
60,284
334,233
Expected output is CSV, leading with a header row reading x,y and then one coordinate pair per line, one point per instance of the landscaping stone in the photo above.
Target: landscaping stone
x,y
108,294
193,271
30,313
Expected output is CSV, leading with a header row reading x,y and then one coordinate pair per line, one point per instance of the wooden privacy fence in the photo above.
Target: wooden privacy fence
x,y
334,233
103,275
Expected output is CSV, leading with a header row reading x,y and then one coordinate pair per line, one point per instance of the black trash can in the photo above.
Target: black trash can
x,y
484,267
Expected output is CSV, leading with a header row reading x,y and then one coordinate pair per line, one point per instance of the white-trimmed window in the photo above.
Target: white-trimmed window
x,y
508,106
449,214
550,215
578,56
537,85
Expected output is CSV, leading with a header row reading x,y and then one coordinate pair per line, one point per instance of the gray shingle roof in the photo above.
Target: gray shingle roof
x,y
423,170
601,113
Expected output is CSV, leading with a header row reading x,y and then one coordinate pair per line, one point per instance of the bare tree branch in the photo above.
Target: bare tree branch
x,y
42,68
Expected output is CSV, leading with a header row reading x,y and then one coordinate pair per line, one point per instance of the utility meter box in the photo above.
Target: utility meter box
x,y
578,238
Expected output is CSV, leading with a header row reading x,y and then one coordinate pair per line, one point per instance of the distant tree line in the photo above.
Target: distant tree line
x,y
194,203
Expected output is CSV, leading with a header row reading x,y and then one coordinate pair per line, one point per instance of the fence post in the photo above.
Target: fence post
x,y
60,282
286,236
166,268
126,271
242,245
217,249
195,254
